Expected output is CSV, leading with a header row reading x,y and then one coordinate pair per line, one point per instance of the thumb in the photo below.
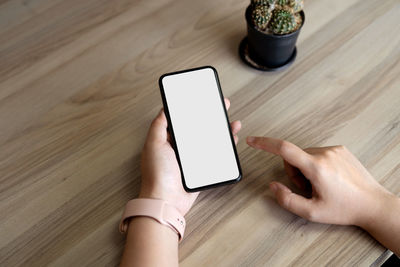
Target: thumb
x,y
158,128
292,202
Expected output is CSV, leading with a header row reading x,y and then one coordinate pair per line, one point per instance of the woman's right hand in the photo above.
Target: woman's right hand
x,y
343,191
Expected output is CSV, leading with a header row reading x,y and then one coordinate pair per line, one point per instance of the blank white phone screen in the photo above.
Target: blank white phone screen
x,y
200,127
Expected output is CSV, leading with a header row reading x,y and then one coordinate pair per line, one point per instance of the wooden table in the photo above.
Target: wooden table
x,y
78,90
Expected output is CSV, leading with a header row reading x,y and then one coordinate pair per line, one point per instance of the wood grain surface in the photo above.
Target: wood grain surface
x,y
78,90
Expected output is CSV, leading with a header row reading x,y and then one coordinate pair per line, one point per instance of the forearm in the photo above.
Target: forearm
x,y
385,224
149,243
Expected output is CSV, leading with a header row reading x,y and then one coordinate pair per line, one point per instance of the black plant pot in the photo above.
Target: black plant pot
x,y
271,51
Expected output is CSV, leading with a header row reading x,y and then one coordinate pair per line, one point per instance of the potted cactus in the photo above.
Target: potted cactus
x,y
273,27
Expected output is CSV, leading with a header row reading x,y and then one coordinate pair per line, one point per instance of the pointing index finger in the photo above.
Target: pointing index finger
x,y
288,151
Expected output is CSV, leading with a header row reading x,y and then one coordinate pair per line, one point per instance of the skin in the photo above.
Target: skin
x,y
343,192
161,179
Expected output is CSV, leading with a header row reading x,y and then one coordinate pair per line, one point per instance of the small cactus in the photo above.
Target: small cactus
x,y
277,16
296,5
282,22
261,16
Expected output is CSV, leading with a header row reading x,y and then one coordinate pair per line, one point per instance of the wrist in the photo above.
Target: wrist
x,y
152,193
140,222
159,196
156,194
378,209
158,210
150,244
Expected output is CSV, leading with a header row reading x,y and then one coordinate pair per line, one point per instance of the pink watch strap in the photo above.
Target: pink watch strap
x,y
157,209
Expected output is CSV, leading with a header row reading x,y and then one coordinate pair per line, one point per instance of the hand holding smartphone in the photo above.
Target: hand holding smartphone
x,y
207,156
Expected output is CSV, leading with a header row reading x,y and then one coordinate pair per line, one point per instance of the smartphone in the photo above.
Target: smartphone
x,y
199,128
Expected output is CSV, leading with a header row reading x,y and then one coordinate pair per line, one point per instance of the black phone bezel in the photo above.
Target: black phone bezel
x,y
171,130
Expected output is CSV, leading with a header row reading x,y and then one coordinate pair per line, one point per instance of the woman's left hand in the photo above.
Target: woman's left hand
x,y
161,177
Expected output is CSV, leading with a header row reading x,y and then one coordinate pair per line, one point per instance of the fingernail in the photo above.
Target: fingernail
x,y
273,187
250,139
